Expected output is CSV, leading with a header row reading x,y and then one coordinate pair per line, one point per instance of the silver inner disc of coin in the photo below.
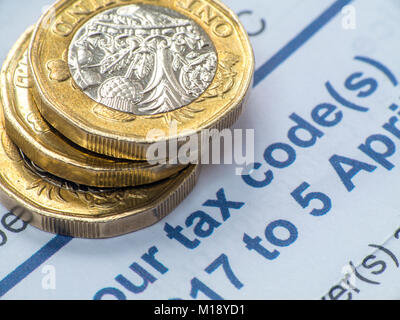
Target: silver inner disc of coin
x,y
142,59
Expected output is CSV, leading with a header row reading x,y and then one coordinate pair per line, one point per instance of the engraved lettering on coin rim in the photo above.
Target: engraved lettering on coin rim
x,y
142,59
23,81
64,25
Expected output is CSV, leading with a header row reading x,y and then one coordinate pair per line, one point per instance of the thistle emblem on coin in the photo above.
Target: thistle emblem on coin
x,y
142,59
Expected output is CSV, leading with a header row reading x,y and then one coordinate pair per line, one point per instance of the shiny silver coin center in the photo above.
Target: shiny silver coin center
x,y
142,59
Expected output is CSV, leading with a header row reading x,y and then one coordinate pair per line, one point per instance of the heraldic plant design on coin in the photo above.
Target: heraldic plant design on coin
x,y
142,59
53,186
122,68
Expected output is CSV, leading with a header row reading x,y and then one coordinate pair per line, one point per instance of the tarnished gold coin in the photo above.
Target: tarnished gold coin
x,y
59,206
52,152
110,71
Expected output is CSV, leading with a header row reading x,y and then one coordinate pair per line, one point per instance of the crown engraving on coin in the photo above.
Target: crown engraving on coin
x,y
142,59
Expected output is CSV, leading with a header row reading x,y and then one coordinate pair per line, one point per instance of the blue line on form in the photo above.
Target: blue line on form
x,y
296,43
27,267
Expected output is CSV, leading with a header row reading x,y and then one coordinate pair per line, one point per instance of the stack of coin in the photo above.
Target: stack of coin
x,y
88,91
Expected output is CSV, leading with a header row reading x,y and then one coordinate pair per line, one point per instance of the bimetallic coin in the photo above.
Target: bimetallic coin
x,y
62,207
48,149
124,67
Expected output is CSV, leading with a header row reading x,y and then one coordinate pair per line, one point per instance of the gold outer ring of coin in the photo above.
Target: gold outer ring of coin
x,y
85,214
48,149
123,135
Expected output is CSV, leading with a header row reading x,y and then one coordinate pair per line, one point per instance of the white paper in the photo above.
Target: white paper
x,y
359,228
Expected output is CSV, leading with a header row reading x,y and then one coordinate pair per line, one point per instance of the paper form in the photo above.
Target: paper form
x,y
325,226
